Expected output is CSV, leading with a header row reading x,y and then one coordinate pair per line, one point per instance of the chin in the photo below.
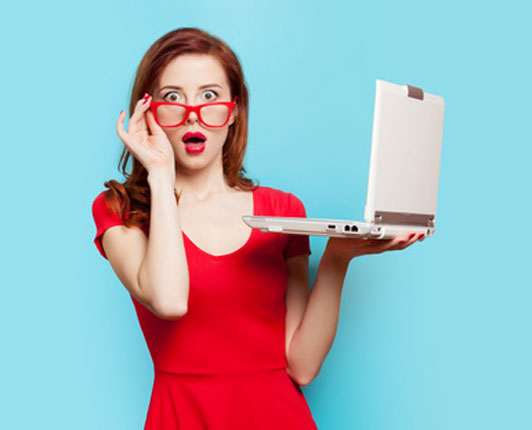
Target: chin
x,y
197,161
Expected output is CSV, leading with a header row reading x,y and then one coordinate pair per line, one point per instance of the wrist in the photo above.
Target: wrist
x,y
339,262
161,178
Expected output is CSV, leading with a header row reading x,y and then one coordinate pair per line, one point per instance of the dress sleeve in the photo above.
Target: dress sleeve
x,y
103,218
296,244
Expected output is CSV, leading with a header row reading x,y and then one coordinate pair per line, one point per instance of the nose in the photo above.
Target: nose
x,y
192,118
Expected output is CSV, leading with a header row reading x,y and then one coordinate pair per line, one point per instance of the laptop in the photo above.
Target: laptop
x,y
404,171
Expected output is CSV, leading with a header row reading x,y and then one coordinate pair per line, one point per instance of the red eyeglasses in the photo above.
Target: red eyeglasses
x,y
169,114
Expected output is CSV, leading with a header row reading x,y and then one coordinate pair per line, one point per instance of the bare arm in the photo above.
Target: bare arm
x,y
163,273
311,340
155,270
130,253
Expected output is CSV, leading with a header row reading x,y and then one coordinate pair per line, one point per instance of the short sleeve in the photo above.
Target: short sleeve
x,y
295,244
104,219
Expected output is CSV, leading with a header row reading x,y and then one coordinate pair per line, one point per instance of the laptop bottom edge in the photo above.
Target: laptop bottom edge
x,y
332,228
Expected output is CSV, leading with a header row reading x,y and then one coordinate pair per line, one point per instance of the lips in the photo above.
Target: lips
x,y
196,137
194,142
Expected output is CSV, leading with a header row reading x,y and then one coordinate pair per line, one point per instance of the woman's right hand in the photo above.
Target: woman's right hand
x,y
152,149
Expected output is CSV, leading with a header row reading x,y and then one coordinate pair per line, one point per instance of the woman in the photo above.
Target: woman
x,y
226,311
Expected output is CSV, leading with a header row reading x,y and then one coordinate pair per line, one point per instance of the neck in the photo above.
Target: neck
x,y
202,183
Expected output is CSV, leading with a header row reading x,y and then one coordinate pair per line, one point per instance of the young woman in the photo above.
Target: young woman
x,y
227,311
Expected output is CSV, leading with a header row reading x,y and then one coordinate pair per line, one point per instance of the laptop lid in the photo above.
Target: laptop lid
x,y
405,156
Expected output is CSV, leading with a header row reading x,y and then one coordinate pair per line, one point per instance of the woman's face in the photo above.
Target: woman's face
x,y
194,79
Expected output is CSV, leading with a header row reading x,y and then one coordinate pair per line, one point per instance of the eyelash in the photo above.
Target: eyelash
x,y
170,92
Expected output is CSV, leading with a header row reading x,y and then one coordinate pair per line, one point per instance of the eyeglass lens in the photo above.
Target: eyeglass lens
x,y
213,115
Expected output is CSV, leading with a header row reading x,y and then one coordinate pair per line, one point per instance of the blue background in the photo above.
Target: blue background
x,y
433,337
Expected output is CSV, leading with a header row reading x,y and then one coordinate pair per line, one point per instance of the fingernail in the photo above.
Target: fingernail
x,y
412,235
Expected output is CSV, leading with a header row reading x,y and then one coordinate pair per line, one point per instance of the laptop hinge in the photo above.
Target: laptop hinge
x,y
404,218
415,92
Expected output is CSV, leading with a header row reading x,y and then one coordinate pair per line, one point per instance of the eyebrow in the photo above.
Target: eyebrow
x,y
180,88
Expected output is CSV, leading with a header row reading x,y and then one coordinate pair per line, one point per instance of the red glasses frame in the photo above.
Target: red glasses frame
x,y
230,105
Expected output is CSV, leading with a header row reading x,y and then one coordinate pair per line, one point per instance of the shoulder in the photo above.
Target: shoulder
x,y
280,202
102,211
98,204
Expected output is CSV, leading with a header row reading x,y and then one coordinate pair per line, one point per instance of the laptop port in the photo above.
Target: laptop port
x,y
346,228
331,227
354,228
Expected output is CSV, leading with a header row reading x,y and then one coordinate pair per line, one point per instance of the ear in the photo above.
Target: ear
x,y
234,114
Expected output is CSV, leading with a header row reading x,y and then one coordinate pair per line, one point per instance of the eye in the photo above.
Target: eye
x,y
174,98
210,95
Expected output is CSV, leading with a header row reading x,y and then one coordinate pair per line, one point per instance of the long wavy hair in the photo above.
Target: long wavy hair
x,y
131,199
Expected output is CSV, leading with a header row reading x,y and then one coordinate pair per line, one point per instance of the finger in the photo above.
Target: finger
x,y
120,127
409,240
137,120
152,124
418,236
124,135
142,105
398,241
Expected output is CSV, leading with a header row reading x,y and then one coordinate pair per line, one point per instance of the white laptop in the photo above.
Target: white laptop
x,y
403,174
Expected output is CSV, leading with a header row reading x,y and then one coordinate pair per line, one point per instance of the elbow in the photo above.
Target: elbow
x,y
164,311
304,380
300,379
171,314
161,304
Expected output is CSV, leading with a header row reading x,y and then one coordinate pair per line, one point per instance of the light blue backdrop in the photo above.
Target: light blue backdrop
x,y
433,337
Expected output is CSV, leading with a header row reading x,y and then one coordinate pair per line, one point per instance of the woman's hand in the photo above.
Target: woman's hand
x,y
152,149
344,249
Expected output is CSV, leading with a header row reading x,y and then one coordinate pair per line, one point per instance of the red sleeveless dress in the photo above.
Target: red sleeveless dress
x,y
223,365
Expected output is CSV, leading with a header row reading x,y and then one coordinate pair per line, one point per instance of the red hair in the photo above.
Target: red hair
x,y
131,200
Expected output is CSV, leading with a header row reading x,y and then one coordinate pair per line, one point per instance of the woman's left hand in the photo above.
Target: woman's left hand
x,y
345,249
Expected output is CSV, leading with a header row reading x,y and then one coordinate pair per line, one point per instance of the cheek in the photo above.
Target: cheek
x,y
171,134
218,137
174,137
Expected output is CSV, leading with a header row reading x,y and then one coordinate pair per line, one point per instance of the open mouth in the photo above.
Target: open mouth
x,y
194,142
196,137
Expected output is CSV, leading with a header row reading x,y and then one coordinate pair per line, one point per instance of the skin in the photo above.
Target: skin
x,y
199,173
206,200
345,249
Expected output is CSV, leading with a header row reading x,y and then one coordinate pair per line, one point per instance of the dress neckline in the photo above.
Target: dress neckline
x,y
236,251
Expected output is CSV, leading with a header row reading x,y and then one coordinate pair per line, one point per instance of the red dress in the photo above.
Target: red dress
x,y
223,365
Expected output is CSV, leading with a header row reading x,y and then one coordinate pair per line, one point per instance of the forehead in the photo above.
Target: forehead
x,y
192,71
